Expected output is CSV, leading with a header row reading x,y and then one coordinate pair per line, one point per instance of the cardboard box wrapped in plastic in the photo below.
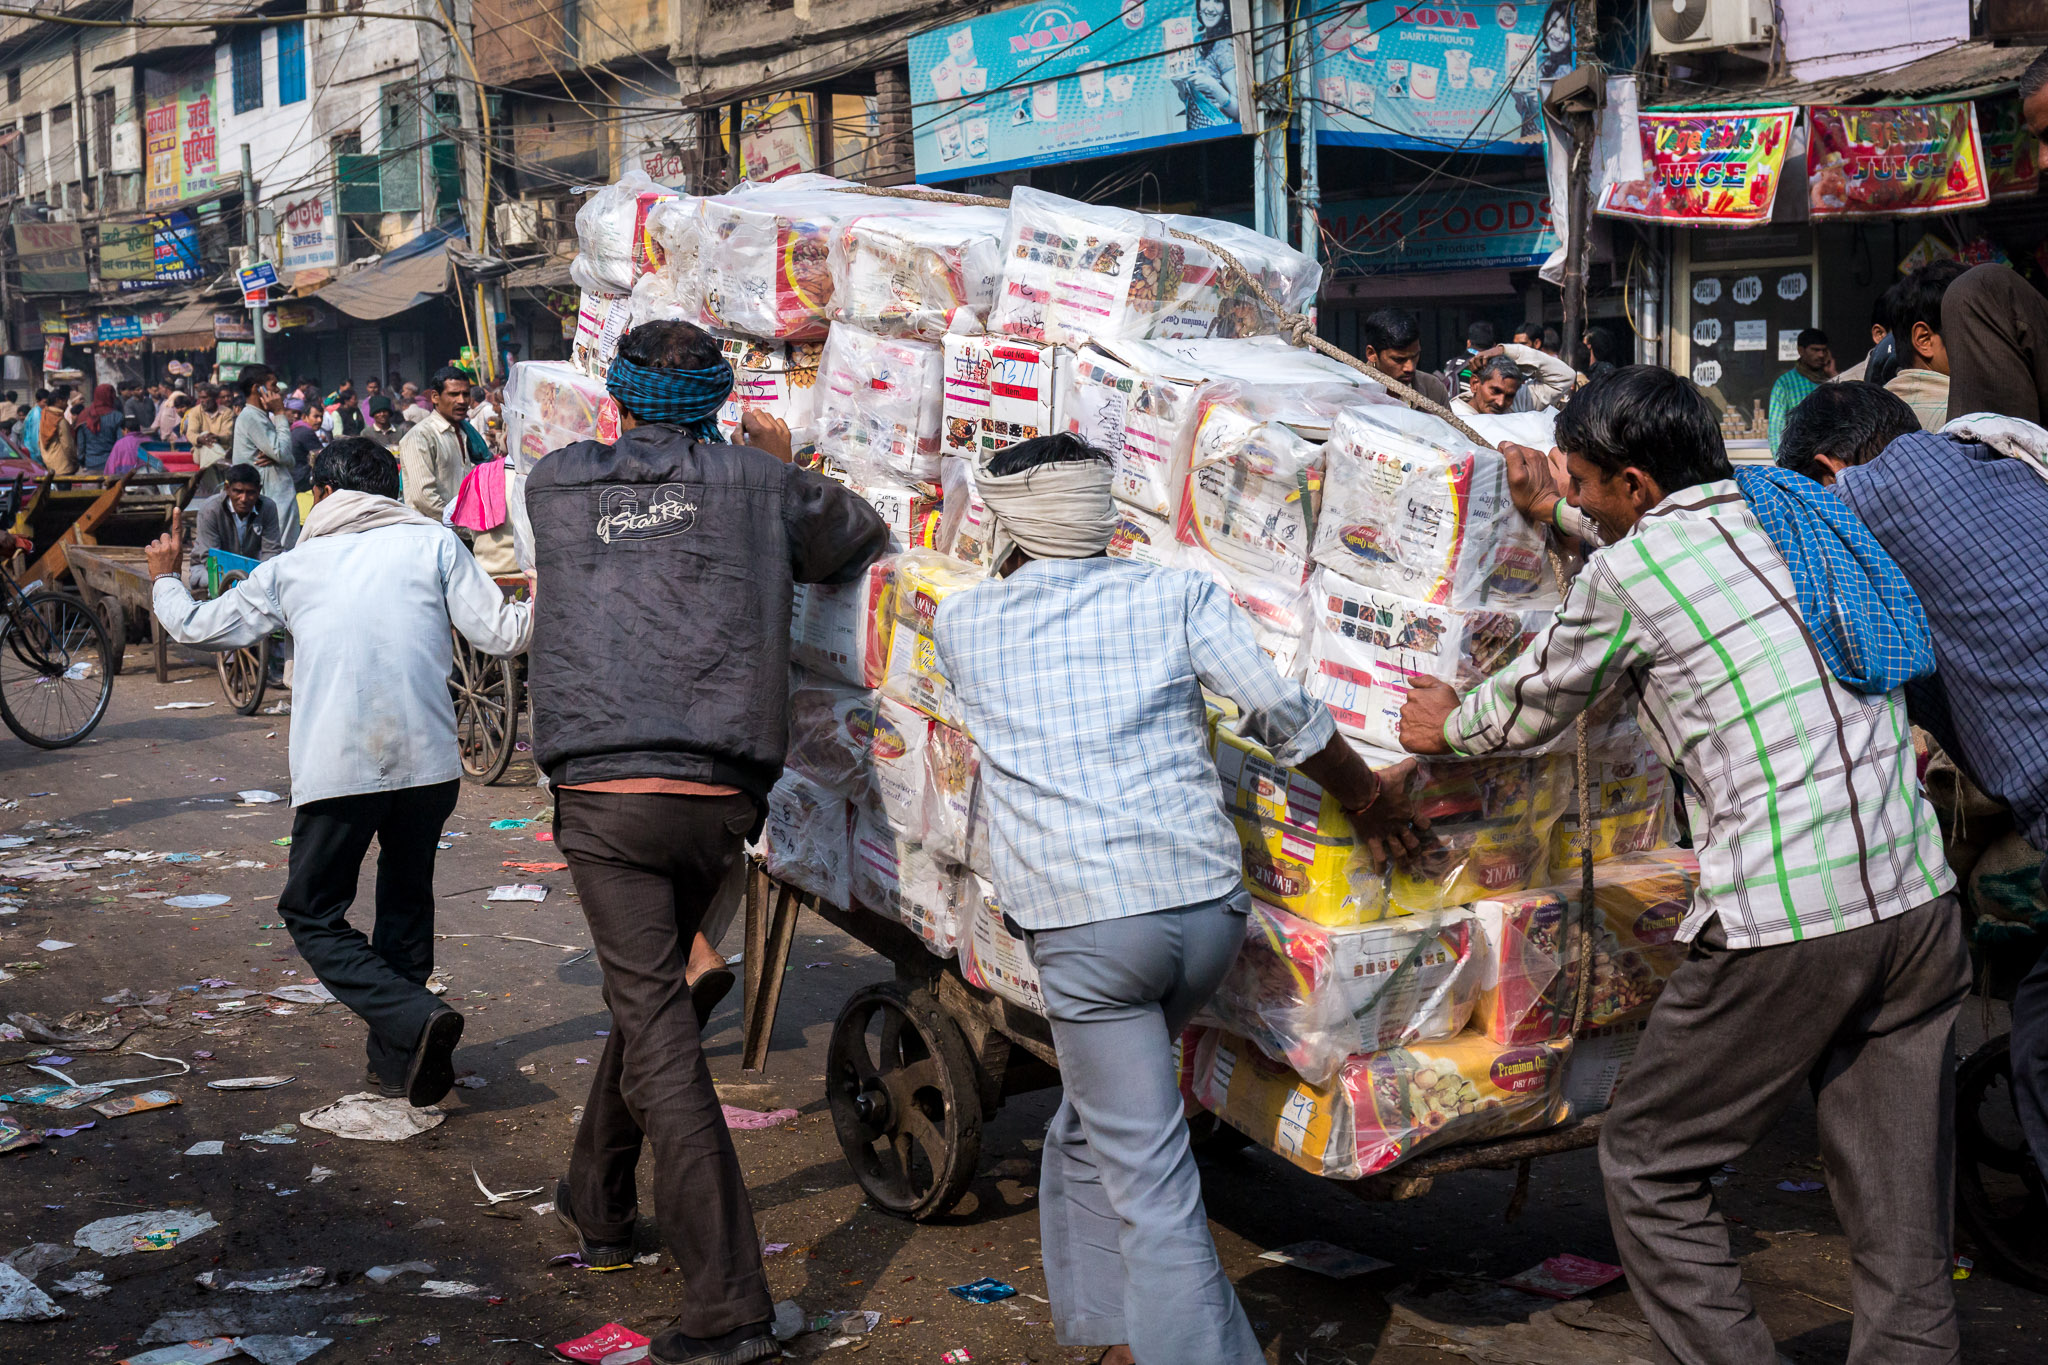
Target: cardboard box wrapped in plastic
x,y
896,746
614,247
998,391
878,404
1529,982
778,377
1412,508
907,883
1368,644
1311,996
601,319
924,579
807,838
831,734
1385,1106
992,957
549,404
1116,406
1490,829
964,516
952,779
1300,852
842,630
917,274
1631,796
915,513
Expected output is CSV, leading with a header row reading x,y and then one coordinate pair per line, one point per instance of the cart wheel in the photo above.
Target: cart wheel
x,y
1999,1196
486,692
904,1100
244,673
54,683
114,620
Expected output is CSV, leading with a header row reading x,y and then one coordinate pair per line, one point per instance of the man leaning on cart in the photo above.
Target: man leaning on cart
x,y
1766,636
1081,679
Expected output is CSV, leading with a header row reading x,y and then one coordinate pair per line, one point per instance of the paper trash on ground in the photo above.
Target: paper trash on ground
x,y
33,1259
1325,1258
527,891
384,1274
248,1083
116,1236
265,1281
187,1353
303,993
136,1104
259,797
738,1118
203,901
1564,1277
271,1349
21,1301
605,1341
367,1117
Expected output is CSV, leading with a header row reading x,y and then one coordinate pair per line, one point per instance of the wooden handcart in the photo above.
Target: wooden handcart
x,y
488,694
115,582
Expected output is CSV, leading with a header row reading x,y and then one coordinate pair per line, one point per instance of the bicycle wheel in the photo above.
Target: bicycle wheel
x,y
55,680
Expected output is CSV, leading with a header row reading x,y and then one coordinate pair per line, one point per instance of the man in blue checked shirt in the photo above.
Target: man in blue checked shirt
x,y
1081,679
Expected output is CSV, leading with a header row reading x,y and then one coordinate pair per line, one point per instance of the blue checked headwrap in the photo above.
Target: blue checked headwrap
x,y
689,399
1858,607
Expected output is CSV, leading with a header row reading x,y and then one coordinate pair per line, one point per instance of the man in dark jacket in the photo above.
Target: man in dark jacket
x,y
238,519
659,673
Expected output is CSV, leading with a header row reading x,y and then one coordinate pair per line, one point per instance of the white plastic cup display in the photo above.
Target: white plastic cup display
x,y
1045,101
1092,83
974,79
1422,81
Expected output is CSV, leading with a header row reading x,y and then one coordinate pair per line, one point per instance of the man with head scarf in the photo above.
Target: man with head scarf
x,y
1081,678
660,681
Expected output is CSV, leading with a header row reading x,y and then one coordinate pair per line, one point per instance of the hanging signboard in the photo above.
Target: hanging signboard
x,y
1715,169
52,258
1439,77
82,330
55,326
775,136
1884,159
181,141
308,239
2011,154
1072,79
1463,229
53,354
233,327
160,250
127,252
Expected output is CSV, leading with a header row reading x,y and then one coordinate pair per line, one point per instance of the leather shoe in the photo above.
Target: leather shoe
x,y
596,1255
390,1090
741,1346
431,1074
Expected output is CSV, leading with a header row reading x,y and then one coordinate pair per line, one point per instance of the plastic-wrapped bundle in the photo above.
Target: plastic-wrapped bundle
x,y
1281,610
807,839
915,513
952,772
1291,278
1300,852
1385,1106
1254,481
1146,539
613,245
1411,507
998,391
1311,996
1119,408
1599,1063
675,227
992,957
1529,973
917,274
765,255
896,759
924,579
1368,644
831,735
1490,826
549,405
842,630
1631,800
897,878
972,529
601,319
878,406
778,377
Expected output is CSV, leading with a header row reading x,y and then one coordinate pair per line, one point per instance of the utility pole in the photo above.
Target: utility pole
x,y
1580,128
1305,48
249,240
78,121
490,297
1262,103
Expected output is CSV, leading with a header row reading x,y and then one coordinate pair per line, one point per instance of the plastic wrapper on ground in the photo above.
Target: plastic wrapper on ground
x,y
1311,996
878,404
1385,1106
614,247
548,405
842,630
807,838
998,391
952,768
831,735
896,759
778,377
1529,983
992,957
917,274
1411,507
906,882
1368,644
924,579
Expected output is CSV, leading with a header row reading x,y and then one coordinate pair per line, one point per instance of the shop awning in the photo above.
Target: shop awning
x,y
1966,71
390,286
188,329
545,275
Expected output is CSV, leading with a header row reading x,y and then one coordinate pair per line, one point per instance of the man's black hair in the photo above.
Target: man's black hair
x,y
1649,418
438,380
1812,336
1390,329
1532,330
358,463
1499,367
671,344
42,395
1601,345
1061,448
2035,78
254,377
130,422
245,474
1479,336
1851,422
1552,338
1917,298
1881,310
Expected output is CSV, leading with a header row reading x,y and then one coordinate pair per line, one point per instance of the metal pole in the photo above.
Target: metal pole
x,y
1311,122
249,240
1269,148
84,136
1579,209
475,198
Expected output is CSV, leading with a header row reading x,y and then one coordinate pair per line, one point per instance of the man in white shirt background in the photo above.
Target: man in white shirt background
x,y
438,453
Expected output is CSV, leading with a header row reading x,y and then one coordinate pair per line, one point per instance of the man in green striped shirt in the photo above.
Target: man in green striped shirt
x,y
1826,943
1816,366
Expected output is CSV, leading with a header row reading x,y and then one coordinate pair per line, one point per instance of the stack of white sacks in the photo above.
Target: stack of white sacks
x,y
905,341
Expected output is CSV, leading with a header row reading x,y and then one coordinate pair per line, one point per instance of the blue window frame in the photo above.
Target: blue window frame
x,y
291,62
247,51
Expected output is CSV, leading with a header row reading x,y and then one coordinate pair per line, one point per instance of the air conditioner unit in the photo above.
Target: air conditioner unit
x,y
519,223
1708,25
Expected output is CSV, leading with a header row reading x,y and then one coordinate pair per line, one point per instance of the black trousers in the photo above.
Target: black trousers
x,y
2030,1057
646,868
382,977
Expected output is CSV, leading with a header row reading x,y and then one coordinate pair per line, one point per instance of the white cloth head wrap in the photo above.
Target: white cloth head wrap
x,y
2013,437
1051,511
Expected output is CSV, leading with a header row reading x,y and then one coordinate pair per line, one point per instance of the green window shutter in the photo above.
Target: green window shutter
x,y
446,158
398,167
355,177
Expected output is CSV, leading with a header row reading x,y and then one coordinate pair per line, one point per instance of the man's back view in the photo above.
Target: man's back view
x,y
659,675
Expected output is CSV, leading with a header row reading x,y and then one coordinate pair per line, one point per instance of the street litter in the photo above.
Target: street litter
x,y
280,1136
304,993
745,1119
504,1198
259,797
271,1349
283,708
33,1259
528,891
21,1301
13,1137
544,1208
187,1353
87,1284
319,1175
1800,1186
1564,1277
384,1274
265,1281
118,1236
70,1132
366,1117
54,945
448,1289
536,867
596,1346
1325,1258
203,901
212,1148
959,1355
136,1104
471,1082
57,1096
790,1321
86,1031
983,1291
511,824
183,705
249,1083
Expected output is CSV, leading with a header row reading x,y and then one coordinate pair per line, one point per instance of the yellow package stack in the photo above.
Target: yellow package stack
x,y
924,579
1300,852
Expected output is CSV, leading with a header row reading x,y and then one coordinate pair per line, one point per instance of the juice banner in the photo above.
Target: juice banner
x,y
2010,151
1894,159
1707,169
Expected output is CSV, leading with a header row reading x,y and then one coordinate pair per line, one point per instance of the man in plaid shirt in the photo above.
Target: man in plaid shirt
x,y
1826,943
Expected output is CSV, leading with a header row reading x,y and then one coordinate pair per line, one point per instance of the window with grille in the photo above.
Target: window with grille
x,y
102,129
291,63
10,166
14,85
398,150
246,49
63,148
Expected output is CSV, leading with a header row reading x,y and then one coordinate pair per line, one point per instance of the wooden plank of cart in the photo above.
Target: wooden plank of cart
x,y
916,1065
93,533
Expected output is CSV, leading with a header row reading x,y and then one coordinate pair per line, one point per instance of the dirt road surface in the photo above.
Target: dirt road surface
x,y
166,781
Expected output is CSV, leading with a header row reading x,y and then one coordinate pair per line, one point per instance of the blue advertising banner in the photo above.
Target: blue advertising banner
x,y
1463,229
1438,76
1071,79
